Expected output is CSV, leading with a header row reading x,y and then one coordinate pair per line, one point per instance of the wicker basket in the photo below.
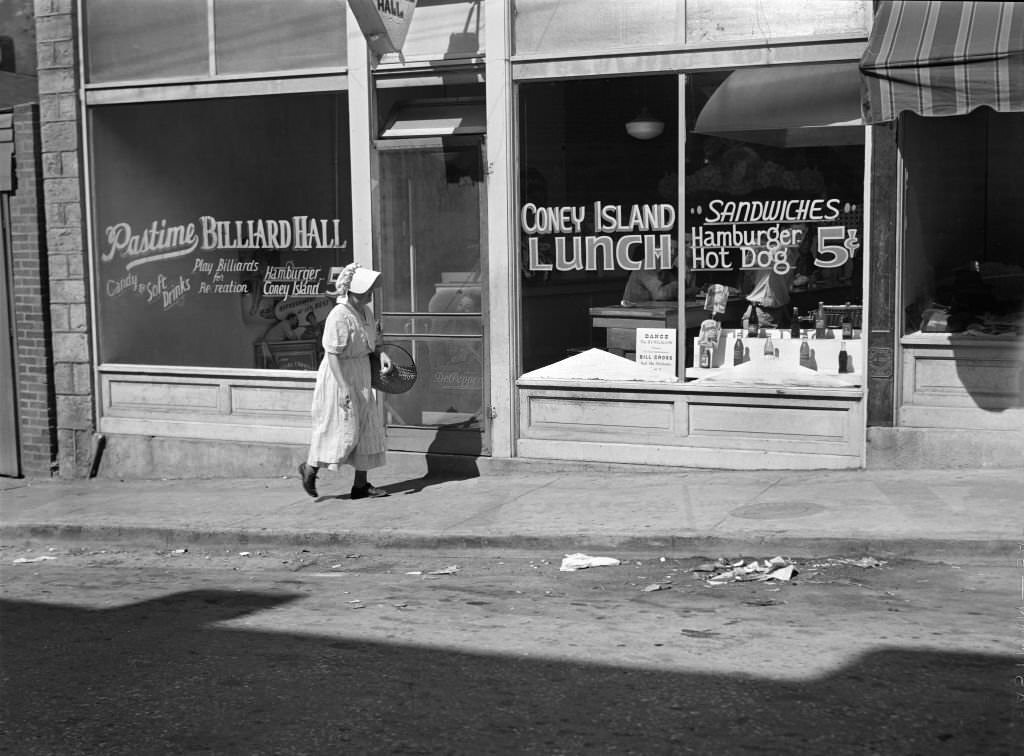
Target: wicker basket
x,y
402,375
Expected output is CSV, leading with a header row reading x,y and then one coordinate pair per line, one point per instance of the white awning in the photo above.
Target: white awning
x,y
798,105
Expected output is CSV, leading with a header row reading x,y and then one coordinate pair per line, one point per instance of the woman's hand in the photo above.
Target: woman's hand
x,y
386,366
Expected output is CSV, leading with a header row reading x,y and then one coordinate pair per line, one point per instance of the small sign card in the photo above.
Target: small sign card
x,y
656,348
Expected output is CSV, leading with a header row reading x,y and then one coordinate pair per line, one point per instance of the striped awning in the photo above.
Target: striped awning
x,y
943,59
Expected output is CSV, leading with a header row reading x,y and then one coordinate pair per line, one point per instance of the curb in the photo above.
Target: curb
x,y
932,548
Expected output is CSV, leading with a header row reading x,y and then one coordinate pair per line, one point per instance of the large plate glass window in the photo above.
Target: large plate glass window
x,y
597,206
768,233
216,225
132,40
575,26
774,225
963,267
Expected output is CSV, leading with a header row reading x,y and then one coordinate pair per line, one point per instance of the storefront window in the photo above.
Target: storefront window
x,y
596,204
268,35
542,26
449,29
216,225
774,228
128,40
770,228
737,20
964,269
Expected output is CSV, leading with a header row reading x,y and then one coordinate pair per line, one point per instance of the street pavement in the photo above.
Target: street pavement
x,y
575,508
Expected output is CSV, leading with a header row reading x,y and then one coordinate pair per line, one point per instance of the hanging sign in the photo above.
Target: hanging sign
x,y
384,23
656,348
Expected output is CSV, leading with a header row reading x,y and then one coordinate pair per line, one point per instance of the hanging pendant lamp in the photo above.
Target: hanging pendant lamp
x,y
645,126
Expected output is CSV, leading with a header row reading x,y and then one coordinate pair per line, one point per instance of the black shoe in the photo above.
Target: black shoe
x,y
368,492
308,475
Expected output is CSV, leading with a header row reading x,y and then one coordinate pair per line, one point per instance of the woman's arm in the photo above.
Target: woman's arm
x,y
378,349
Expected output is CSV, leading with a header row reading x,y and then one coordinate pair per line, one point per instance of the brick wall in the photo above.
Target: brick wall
x,y
30,274
65,241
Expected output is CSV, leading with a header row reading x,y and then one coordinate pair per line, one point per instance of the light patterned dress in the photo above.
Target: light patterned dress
x,y
350,434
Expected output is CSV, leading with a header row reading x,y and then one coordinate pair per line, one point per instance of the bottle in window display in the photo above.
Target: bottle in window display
x,y
844,358
819,321
805,353
710,333
847,324
794,325
769,347
737,351
706,355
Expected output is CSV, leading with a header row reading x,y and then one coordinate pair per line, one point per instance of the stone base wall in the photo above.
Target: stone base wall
x,y
942,449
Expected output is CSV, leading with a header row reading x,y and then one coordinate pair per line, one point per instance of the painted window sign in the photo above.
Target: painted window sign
x,y
754,234
599,236
725,235
145,254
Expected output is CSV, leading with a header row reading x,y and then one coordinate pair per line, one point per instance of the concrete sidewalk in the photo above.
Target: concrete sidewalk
x,y
537,506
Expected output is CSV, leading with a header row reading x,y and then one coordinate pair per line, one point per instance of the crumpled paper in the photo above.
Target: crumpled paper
x,y
452,570
33,560
865,562
573,562
742,570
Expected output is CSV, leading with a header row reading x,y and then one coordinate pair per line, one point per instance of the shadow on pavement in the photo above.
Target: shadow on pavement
x,y
161,677
443,465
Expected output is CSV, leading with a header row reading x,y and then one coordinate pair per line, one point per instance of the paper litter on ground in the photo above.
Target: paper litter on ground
x,y
747,570
573,562
451,570
866,562
446,571
33,560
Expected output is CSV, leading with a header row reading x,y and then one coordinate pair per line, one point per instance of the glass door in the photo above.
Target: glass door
x,y
432,252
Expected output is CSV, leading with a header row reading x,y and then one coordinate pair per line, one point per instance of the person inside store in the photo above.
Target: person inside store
x,y
347,426
646,286
767,290
288,329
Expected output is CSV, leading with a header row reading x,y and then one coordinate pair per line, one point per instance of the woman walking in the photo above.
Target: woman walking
x,y
347,425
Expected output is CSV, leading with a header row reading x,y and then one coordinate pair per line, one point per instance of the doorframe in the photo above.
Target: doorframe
x,y
462,441
10,445
503,281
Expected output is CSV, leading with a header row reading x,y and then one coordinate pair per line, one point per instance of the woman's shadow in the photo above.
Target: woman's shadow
x,y
442,465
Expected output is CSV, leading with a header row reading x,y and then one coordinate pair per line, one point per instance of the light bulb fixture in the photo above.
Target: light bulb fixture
x,y
645,126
